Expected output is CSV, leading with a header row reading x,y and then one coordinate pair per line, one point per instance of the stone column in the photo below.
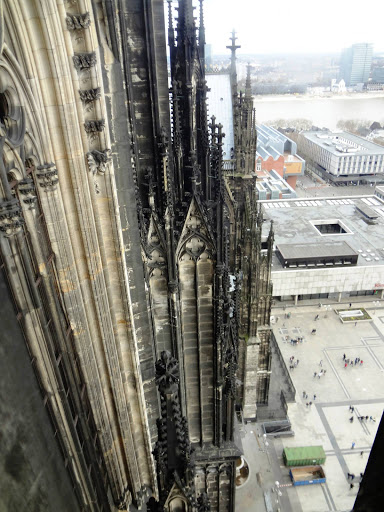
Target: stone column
x,y
250,378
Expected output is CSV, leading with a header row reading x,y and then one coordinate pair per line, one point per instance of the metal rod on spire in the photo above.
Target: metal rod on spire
x,y
171,31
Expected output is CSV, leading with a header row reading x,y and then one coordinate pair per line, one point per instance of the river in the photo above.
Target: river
x,y
322,111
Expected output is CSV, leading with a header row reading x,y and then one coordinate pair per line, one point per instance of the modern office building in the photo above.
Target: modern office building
x,y
355,64
327,248
342,157
277,152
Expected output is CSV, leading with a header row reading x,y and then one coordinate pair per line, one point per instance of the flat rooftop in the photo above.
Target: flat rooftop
x,y
343,143
220,105
316,250
314,223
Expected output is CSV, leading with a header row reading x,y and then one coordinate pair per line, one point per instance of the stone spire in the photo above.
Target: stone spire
x,y
248,87
201,26
186,27
233,47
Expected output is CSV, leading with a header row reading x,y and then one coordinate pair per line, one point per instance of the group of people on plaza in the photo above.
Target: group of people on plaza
x,y
361,418
322,372
305,395
292,363
352,362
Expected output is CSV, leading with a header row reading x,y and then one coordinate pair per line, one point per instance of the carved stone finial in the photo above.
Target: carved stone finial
x,y
78,21
26,188
98,161
94,126
11,221
84,60
167,373
90,95
47,176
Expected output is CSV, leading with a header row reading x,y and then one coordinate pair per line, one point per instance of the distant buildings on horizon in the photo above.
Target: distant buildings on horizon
x,y
355,64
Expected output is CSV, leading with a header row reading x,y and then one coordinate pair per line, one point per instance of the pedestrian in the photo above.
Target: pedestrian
x,y
361,453
315,374
316,317
366,418
324,372
344,356
310,403
353,445
349,475
361,475
321,362
351,363
304,394
277,319
355,324
352,408
306,404
297,362
351,486
356,360
352,476
361,362
314,397
350,304
351,419
345,365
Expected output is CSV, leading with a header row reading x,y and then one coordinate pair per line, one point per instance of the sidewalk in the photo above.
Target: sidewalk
x,y
259,494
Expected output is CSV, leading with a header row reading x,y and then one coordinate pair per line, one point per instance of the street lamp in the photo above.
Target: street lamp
x,y
376,304
278,493
266,444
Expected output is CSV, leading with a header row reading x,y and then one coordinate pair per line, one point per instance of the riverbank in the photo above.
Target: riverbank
x,y
321,111
326,97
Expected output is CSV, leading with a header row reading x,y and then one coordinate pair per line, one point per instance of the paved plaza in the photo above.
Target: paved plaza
x,y
327,421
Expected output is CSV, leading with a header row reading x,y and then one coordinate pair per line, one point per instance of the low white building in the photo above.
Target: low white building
x,y
341,156
327,248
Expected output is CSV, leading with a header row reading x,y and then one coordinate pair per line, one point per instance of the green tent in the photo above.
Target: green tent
x,y
304,456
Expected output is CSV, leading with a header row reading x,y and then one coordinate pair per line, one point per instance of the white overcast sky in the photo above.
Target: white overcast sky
x,y
294,26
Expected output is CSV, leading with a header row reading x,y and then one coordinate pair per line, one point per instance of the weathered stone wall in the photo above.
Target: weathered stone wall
x,y
216,479
55,64
32,470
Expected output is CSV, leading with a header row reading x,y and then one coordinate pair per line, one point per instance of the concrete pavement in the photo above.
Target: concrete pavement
x,y
327,420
